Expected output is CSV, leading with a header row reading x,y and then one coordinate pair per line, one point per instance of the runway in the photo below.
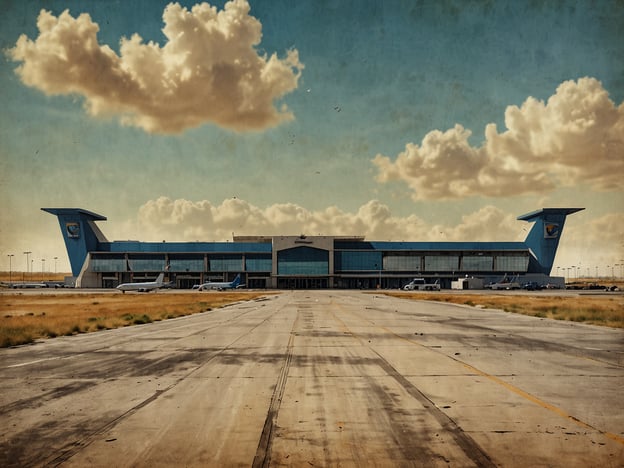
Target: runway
x,y
320,378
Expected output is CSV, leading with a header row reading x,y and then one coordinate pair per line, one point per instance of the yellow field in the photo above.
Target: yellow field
x,y
26,317
596,310
34,277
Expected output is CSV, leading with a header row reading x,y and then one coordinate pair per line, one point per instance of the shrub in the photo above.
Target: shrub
x,y
14,336
138,320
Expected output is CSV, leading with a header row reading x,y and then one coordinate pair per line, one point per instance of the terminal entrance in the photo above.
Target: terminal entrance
x,y
302,283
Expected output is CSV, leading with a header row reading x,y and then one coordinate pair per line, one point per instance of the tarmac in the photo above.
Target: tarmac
x,y
320,378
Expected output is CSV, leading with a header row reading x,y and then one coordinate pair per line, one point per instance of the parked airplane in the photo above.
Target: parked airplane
x,y
143,287
27,285
221,286
505,283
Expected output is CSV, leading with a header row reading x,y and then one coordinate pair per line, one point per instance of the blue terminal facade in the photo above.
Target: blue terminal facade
x,y
306,262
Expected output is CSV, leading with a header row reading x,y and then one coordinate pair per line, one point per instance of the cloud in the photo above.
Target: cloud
x,y
576,137
185,220
208,70
584,243
598,242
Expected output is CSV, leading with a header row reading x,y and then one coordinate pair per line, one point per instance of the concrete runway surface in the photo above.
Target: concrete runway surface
x,y
320,378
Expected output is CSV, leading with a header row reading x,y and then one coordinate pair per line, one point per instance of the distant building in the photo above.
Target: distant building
x,y
306,262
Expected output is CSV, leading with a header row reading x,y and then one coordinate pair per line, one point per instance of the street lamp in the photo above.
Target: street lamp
x,y
42,268
55,259
10,269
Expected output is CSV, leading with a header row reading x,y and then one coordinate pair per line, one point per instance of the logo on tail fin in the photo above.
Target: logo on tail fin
x,y
73,230
551,230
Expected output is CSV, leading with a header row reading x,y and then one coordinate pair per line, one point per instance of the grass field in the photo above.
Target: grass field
x,y
27,317
34,277
605,310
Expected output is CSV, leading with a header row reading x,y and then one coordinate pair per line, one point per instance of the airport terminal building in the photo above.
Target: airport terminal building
x,y
306,262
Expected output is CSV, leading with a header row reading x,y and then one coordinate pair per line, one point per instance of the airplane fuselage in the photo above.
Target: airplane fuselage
x,y
220,286
143,287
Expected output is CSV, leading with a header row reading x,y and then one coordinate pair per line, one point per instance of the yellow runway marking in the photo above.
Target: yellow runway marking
x,y
502,383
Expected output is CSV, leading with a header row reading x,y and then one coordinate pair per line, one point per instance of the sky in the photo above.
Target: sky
x,y
397,120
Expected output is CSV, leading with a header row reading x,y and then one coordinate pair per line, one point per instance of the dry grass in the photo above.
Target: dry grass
x,y
26,317
596,310
35,276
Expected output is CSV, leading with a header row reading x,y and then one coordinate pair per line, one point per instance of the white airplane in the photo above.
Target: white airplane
x,y
143,287
221,286
27,285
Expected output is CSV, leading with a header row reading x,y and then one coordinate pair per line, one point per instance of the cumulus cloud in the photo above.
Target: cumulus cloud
x,y
208,70
186,220
584,243
576,137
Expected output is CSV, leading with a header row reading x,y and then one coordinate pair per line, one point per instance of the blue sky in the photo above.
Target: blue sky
x,y
384,129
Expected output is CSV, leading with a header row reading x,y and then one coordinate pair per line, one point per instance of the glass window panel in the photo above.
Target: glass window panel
x,y
108,265
140,264
477,263
401,263
182,265
226,263
258,263
303,261
515,263
357,261
441,262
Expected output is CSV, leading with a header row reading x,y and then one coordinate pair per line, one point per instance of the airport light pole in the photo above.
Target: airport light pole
x,y
10,269
55,259
42,269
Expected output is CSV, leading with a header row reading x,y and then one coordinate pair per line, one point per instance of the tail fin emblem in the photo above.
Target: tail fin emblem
x,y
551,230
73,229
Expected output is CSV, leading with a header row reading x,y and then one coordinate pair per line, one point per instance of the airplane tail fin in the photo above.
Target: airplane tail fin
x,y
236,281
80,233
160,278
543,239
